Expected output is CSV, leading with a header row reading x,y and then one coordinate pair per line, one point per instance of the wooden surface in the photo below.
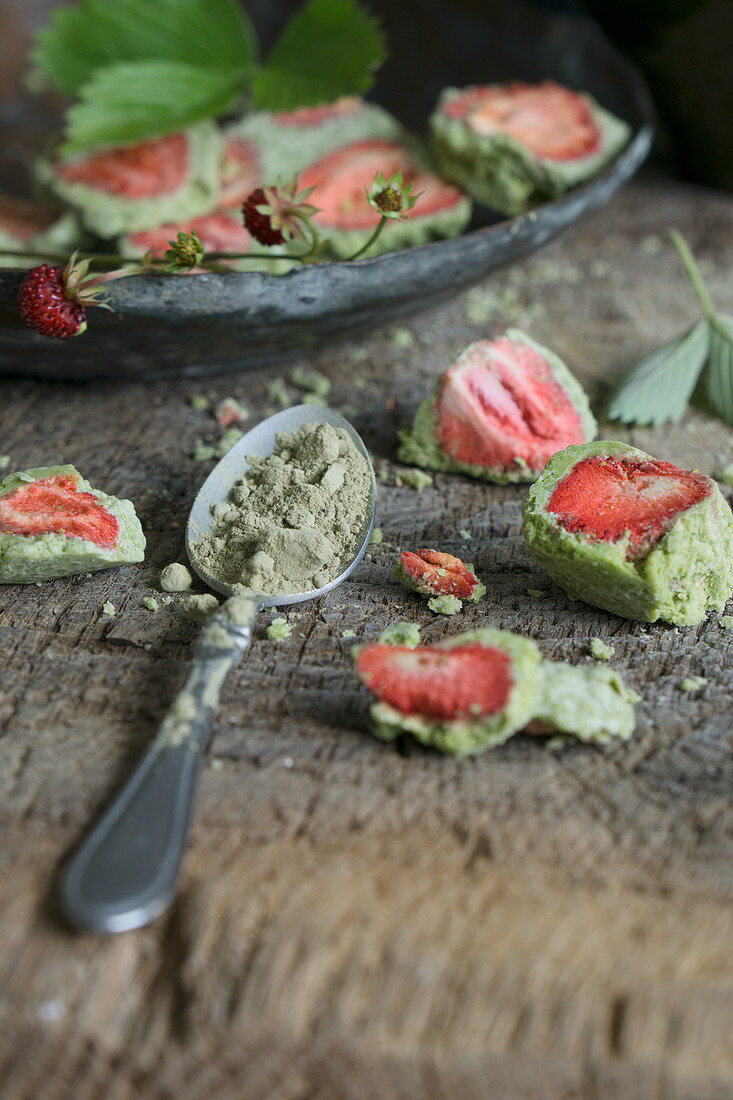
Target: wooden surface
x,y
355,920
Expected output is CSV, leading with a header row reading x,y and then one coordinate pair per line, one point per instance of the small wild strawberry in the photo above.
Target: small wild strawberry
x,y
53,300
185,252
277,214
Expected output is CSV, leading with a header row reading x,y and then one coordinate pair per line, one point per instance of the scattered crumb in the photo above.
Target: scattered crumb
x,y
376,537
150,603
651,245
314,399
358,355
288,762
311,380
277,393
464,533
202,452
727,622
600,650
445,605
199,401
198,608
725,475
693,683
279,629
229,411
555,744
175,578
109,609
166,599
216,765
402,633
414,479
230,437
535,593
348,411
4,462
600,269
401,338
348,633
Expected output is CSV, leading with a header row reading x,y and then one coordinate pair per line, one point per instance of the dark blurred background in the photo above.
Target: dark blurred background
x,y
684,48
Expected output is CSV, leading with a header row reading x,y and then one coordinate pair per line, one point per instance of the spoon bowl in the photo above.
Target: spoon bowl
x,y
125,872
261,440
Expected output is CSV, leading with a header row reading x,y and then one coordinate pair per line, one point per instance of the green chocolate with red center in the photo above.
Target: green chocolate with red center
x,y
54,524
514,145
433,573
630,533
499,413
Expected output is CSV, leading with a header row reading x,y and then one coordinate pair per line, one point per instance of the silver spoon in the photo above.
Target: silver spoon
x,y
124,873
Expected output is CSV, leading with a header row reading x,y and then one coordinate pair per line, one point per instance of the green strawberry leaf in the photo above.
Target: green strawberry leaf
x,y
328,49
93,34
719,375
138,99
658,389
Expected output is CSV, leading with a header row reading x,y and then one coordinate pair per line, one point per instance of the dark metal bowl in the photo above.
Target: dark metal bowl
x,y
200,324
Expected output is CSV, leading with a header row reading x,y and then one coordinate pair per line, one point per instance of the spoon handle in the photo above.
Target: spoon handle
x,y
124,873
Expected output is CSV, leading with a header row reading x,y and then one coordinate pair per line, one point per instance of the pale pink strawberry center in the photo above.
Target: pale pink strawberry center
x,y
341,177
500,406
466,682
441,574
141,171
312,116
52,505
551,121
240,171
608,498
217,233
23,219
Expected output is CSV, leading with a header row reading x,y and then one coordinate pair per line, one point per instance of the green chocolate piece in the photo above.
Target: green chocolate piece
x,y
26,559
150,603
175,578
687,573
445,605
693,683
600,650
501,172
111,215
310,380
414,479
590,702
419,445
279,629
464,737
401,633
727,622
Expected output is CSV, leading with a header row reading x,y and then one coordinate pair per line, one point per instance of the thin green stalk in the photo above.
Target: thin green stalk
x,y
371,240
693,273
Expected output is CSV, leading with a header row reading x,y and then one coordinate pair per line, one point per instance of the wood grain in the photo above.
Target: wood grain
x,y
355,920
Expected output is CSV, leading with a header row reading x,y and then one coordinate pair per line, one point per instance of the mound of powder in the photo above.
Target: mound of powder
x,y
294,521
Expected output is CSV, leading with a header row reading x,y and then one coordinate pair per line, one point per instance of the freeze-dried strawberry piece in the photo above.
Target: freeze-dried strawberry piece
x,y
553,122
146,170
218,232
501,404
53,505
440,684
341,177
312,116
240,172
606,496
436,574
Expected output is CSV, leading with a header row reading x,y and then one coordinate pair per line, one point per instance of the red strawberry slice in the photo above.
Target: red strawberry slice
x,y
442,684
53,505
240,172
312,116
218,232
552,121
341,177
499,403
605,496
438,574
23,219
146,170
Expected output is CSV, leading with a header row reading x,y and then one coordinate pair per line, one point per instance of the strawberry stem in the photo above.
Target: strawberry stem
x,y
360,252
693,273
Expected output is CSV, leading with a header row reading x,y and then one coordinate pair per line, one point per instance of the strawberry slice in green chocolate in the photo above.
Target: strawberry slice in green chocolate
x,y
121,190
54,524
433,573
500,411
513,145
633,534
460,696
345,219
